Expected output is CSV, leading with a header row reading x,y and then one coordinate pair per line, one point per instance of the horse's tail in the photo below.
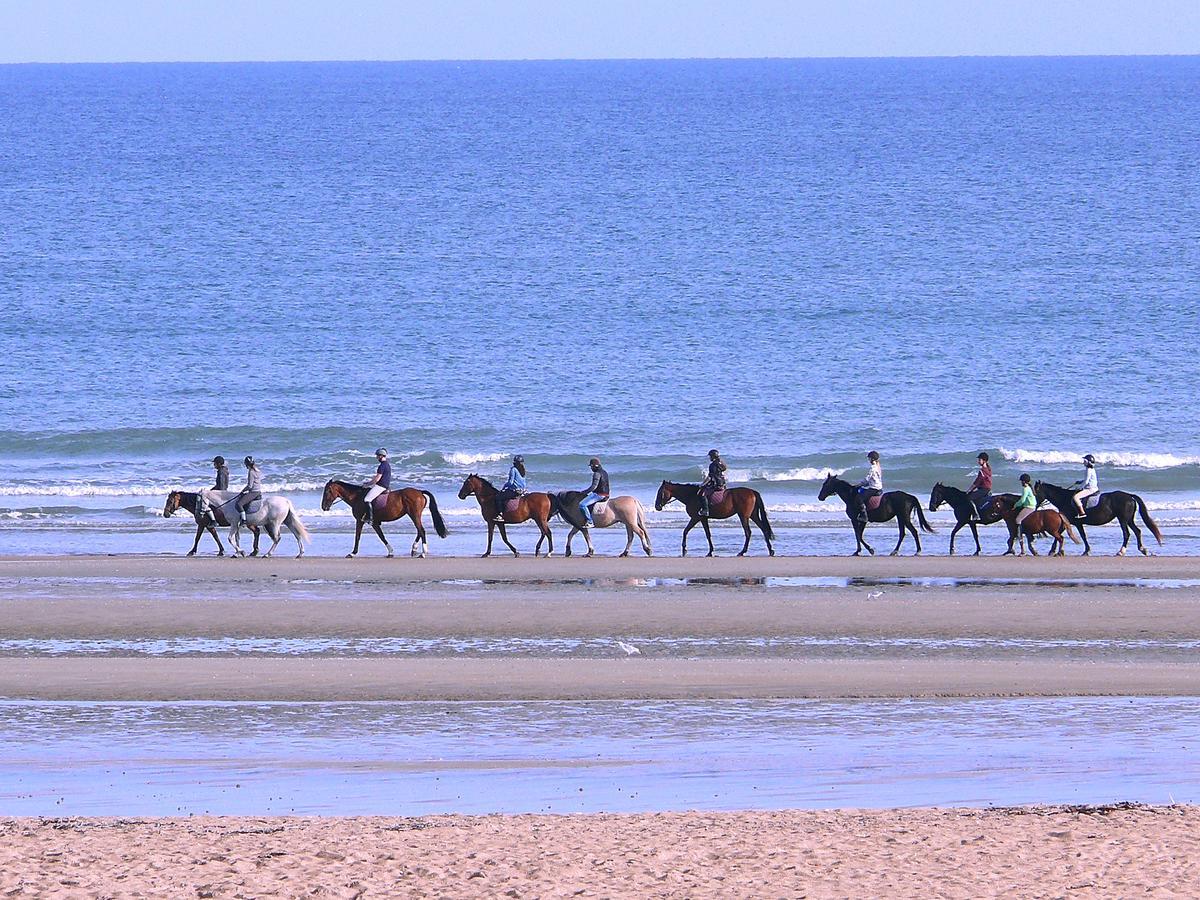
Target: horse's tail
x,y
760,510
925,526
641,523
296,527
1150,523
439,524
1071,533
556,508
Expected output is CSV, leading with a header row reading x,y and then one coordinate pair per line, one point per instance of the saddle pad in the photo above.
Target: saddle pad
x,y
254,508
716,496
380,502
1091,502
510,506
599,507
873,502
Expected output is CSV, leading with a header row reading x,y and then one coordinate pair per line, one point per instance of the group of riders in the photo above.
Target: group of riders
x,y
599,490
980,491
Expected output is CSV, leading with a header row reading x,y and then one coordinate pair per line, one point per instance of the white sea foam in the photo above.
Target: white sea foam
x,y
1118,458
463,458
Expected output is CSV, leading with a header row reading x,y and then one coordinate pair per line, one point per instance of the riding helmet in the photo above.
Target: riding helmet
x,y
248,461
519,459
1090,459
218,460
594,461
714,454
983,455
873,456
381,452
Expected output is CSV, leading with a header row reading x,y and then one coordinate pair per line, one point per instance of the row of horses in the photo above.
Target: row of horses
x,y
275,513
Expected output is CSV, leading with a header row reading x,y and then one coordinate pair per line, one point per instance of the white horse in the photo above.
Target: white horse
x,y
626,510
271,513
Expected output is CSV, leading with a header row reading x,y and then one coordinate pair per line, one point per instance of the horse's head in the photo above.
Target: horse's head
x,y
330,495
937,497
665,495
828,487
469,486
1039,490
174,501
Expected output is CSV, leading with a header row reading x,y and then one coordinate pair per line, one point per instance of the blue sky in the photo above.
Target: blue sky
x,y
220,30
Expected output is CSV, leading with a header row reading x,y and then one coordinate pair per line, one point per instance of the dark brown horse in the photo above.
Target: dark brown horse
x,y
537,505
895,504
1120,505
964,511
745,503
409,502
1040,521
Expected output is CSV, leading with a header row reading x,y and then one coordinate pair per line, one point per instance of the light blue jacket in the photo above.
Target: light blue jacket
x,y
516,481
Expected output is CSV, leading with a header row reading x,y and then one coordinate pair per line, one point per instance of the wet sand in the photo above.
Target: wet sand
x,y
1080,603
1033,852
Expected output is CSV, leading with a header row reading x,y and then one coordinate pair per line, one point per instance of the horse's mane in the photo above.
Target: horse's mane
x,y
481,478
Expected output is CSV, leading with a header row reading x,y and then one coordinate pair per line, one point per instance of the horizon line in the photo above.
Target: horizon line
x,y
553,59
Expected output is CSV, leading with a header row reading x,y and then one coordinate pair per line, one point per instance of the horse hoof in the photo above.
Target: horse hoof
x,y
894,553
567,553
771,552
391,556
484,555
193,553
349,556
1121,552
977,552
591,553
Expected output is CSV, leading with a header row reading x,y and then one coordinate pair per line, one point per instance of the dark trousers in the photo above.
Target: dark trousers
x,y
860,502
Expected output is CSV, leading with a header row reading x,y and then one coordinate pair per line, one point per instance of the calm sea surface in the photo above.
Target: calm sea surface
x,y
794,261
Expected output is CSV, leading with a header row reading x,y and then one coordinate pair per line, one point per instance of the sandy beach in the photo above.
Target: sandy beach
x,y
1031,852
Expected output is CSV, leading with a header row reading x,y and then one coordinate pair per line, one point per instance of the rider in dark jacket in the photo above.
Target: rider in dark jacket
x,y
714,481
598,490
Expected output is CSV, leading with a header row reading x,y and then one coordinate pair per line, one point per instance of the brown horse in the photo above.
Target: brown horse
x,y
745,503
398,504
1040,521
537,505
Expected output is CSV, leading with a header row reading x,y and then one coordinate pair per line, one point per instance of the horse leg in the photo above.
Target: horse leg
x,y
954,531
900,525
1087,547
358,525
712,551
420,539
199,532
745,528
544,525
1124,536
216,537
760,520
1138,534
628,540
690,525
491,529
379,531
257,532
916,534
587,537
570,535
507,543
974,534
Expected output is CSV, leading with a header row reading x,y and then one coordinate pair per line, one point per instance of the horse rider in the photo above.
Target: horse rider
x,y
871,486
253,489
980,491
714,481
1026,503
380,483
513,487
596,491
222,482
1086,486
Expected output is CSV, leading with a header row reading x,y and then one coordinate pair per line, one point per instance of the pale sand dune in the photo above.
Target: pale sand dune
x,y
844,853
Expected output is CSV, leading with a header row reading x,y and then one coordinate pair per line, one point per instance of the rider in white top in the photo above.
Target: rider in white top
x,y
871,486
1087,485
381,481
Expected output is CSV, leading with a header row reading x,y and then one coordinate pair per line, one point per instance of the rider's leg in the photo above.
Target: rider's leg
x,y
374,491
860,506
585,507
501,501
1080,496
705,498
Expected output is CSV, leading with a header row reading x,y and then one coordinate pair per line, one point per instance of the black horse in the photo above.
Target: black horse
x,y
895,504
964,511
1120,505
187,500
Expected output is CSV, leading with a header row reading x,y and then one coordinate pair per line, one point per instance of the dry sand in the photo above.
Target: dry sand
x,y
1100,852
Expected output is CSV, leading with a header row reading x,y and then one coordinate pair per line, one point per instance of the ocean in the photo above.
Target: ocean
x,y
792,261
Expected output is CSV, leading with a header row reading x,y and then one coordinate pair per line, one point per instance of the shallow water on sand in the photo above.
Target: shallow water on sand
x,y
422,758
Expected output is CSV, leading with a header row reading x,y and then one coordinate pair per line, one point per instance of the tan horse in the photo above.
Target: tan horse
x,y
626,510
409,502
538,506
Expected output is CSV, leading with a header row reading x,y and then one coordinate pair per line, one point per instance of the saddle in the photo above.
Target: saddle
x,y
716,495
1091,502
873,502
510,505
254,508
380,503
